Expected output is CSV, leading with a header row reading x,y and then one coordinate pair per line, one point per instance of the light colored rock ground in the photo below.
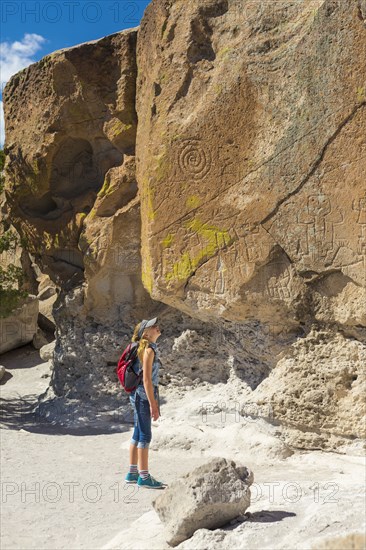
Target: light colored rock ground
x,y
298,499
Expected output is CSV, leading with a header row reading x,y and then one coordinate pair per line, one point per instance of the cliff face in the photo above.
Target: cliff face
x,y
250,174
70,140
251,159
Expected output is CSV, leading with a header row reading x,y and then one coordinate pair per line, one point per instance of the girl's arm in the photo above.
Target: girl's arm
x,y
147,364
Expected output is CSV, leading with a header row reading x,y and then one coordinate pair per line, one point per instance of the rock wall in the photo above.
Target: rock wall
x,y
70,120
251,159
208,167
251,164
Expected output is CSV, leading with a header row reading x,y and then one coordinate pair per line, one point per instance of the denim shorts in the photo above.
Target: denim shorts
x,y
141,436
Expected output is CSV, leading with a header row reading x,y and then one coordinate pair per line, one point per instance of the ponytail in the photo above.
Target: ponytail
x,y
143,342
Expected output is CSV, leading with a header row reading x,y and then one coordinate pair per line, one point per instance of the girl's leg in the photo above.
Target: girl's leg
x,y
143,453
144,424
143,458
133,454
135,436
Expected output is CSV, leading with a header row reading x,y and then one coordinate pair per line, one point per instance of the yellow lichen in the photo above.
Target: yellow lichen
x,y
361,95
147,198
80,216
224,51
150,204
167,241
215,238
193,201
103,191
218,89
146,275
47,240
92,213
118,128
35,167
161,167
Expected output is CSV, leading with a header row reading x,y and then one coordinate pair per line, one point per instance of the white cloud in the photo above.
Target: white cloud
x,y
15,56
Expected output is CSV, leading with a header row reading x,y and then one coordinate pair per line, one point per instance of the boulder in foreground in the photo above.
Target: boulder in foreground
x,y
208,497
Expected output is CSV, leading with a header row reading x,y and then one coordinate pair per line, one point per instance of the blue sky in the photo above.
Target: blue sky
x,y
32,29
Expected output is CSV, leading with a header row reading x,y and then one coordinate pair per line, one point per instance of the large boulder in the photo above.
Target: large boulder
x,y
207,497
20,326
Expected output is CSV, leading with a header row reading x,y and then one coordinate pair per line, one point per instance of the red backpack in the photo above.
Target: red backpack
x,y
127,366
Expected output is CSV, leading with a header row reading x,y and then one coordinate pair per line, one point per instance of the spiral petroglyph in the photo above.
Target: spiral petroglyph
x,y
193,160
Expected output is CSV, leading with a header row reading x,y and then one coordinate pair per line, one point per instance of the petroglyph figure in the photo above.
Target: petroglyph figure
x,y
250,237
320,219
193,159
359,205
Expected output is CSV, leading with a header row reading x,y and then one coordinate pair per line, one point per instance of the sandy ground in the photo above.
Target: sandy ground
x,y
64,488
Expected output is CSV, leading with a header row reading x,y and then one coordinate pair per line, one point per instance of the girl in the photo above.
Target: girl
x,y
145,403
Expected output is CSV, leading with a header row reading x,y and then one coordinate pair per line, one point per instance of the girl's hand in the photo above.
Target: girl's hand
x,y
154,411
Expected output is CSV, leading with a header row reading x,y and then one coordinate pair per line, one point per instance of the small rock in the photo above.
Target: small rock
x,y
39,339
47,293
46,352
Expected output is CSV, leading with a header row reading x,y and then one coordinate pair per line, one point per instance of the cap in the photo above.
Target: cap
x,y
146,324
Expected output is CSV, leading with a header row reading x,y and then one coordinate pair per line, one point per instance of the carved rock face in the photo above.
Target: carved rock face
x,y
251,159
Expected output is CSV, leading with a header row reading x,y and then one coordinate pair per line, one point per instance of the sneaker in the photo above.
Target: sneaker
x,y
150,483
131,478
